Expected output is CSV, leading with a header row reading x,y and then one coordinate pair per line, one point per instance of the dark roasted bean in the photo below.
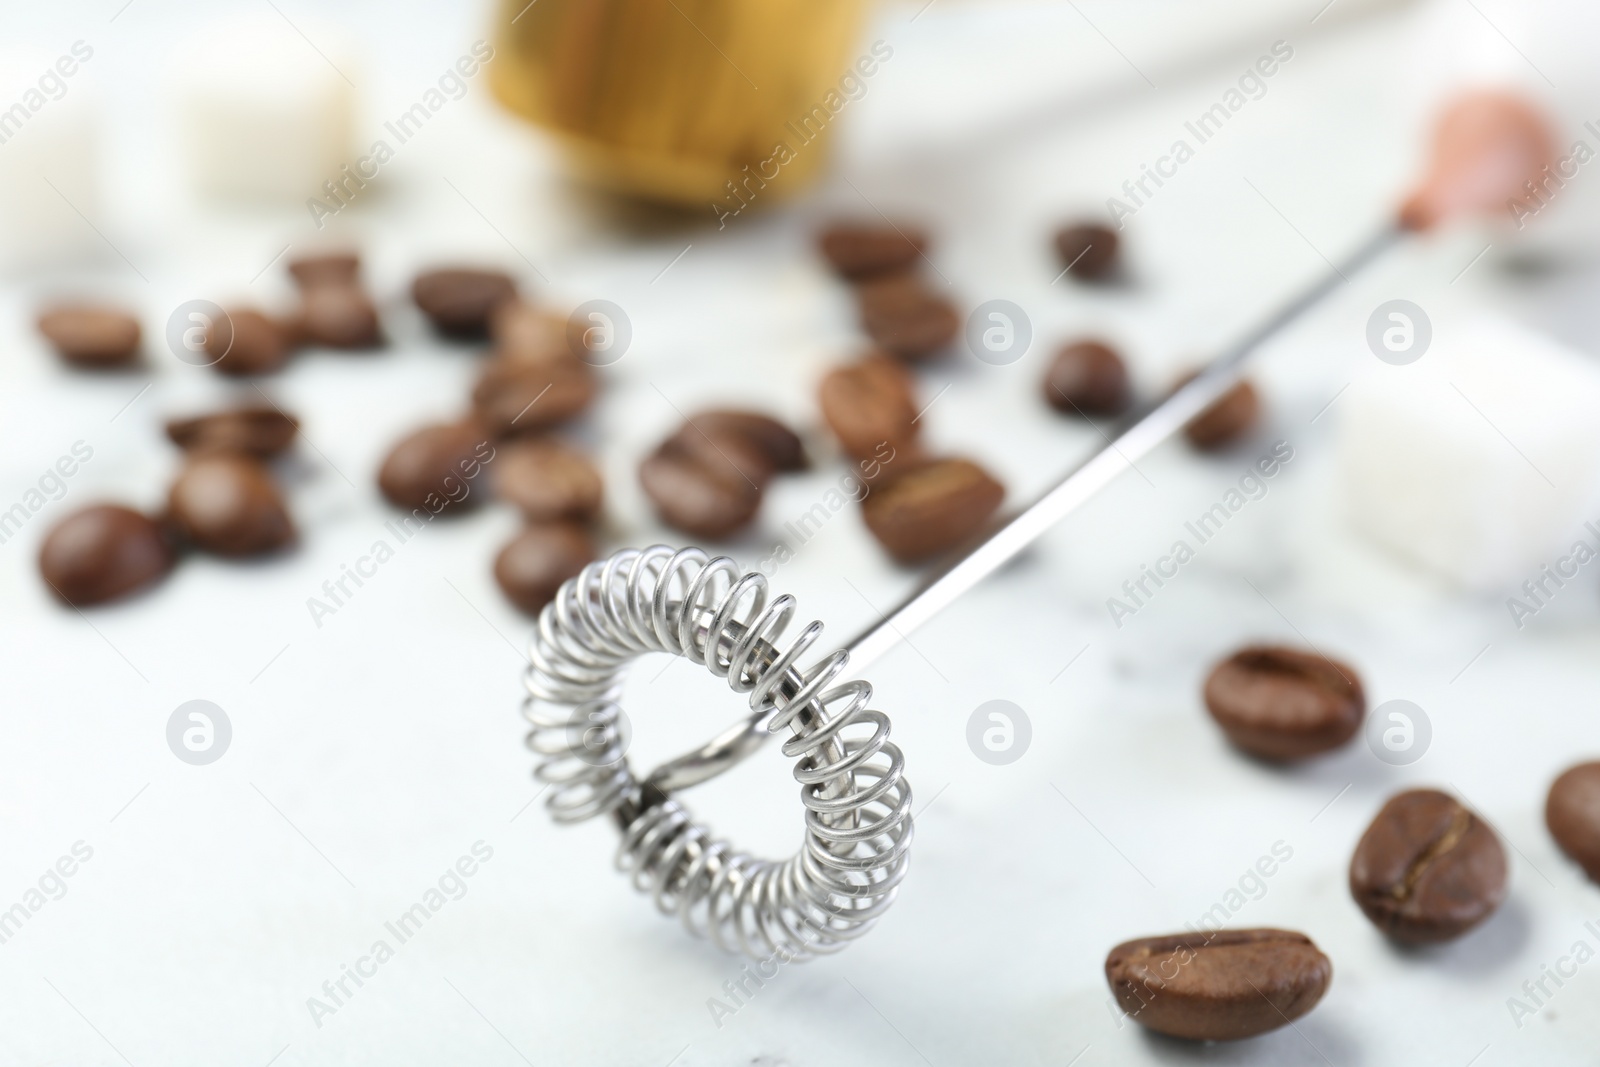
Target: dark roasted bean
x,y
1572,812
857,250
228,504
435,468
532,567
904,316
1284,704
96,338
460,301
103,552
1088,378
930,506
869,404
547,480
259,431
1088,250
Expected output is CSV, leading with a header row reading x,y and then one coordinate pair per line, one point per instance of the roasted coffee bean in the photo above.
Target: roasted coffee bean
x,y
524,332
869,404
1088,250
97,338
515,396
776,441
1572,813
1427,869
532,568
262,431
547,480
1230,417
1088,378
228,504
247,342
334,268
930,506
904,316
726,453
435,467
856,250
1218,986
103,552
460,301
1284,704
703,501
338,316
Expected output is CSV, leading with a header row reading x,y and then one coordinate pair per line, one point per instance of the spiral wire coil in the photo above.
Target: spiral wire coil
x,y
857,801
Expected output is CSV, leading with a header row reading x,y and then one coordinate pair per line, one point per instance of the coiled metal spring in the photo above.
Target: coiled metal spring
x,y
857,801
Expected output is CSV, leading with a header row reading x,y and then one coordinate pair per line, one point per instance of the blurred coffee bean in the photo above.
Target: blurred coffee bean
x,y
436,467
248,342
532,568
92,337
522,331
710,501
930,506
1572,812
1218,985
103,552
1089,379
260,431
547,480
1427,869
1087,250
857,250
868,404
339,316
903,315
460,301
228,504
1284,704
334,268
723,451
777,442
1229,418
516,395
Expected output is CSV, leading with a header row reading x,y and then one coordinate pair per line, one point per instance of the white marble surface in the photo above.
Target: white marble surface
x,y
370,754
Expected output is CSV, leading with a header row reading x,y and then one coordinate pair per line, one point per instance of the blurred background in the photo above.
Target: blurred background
x,y
163,160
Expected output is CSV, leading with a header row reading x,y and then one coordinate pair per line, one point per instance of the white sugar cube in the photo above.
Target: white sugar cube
x,y
266,112
1480,460
49,158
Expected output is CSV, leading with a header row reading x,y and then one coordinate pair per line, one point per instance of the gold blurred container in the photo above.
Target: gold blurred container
x,y
673,100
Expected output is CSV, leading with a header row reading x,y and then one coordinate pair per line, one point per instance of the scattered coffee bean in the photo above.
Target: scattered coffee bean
x,y
96,338
460,301
777,442
904,316
262,432
335,268
339,316
532,568
930,506
524,332
1087,250
434,467
103,552
1284,704
1230,417
868,404
1427,869
724,452
1572,813
1088,378
857,250
516,396
228,504
700,499
247,342
547,480
1218,986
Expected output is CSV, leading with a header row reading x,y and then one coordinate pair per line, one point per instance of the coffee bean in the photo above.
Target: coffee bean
x,y
338,316
434,468
725,452
710,501
516,396
1284,704
868,404
524,332
1088,378
547,480
460,301
1572,813
1088,250
904,316
103,552
857,250
262,432
95,338
532,568
228,504
334,268
1229,418
1427,869
247,342
777,442
1218,986
930,506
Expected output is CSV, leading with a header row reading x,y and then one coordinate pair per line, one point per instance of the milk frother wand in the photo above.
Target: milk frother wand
x,y
858,825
